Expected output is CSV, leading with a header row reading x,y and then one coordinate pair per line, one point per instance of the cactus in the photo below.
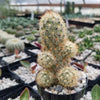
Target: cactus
x,y
45,78
4,37
68,77
57,50
30,37
14,44
19,27
19,34
46,60
97,28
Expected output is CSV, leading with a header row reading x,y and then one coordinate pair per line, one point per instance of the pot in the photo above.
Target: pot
x,y
49,96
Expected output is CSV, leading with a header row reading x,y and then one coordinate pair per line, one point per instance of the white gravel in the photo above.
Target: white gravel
x,y
87,96
84,54
36,51
26,74
12,58
92,73
6,83
18,98
92,60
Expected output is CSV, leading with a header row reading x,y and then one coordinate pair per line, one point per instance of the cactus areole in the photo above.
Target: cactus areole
x,y
56,54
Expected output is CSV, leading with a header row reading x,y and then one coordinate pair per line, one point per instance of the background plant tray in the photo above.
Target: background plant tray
x,y
78,23
13,67
8,74
16,91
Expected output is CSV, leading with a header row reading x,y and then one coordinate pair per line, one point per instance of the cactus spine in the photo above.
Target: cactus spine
x,y
59,49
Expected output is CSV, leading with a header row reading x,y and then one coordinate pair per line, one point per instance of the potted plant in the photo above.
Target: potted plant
x,y
58,80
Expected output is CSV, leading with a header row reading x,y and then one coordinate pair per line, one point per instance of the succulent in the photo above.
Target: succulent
x,y
57,51
9,30
5,37
46,60
70,49
14,44
19,27
88,43
81,34
30,26
97,28
97,38
68,77
97,56
71,38
88,31
19,34
30,37
45,78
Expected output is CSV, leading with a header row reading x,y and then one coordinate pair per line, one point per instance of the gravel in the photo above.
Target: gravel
x,y
11,59
26,74
92,73
84,54
36,51
87,96
6,83
18,98
92,60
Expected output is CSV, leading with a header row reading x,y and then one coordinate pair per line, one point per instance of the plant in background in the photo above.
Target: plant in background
x,y
34,31
19,33
97,28
27,65
9,30
57,52
72,38
88,31
97,56
25,94
88,43
97,38
14,44
73,7
95,92
81,34
81,47
68,8
4,37
19,27
30,26
30,38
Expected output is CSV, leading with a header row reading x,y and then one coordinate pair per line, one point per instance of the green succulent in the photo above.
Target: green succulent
x,y
72,38
97,28
81,34
30,37
88,43
97,56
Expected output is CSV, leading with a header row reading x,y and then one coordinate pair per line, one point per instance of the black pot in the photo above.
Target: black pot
x,y
49,96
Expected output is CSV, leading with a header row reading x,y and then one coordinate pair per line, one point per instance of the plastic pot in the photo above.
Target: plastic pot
x,y
49,96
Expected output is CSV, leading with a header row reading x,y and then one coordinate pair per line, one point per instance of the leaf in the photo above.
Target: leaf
x,y
25,64
0,72
25,94
96,92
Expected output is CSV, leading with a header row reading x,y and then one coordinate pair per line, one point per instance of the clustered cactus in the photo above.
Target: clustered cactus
x,y
56,54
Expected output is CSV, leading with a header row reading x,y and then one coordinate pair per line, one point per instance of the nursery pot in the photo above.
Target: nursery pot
x,y
50,96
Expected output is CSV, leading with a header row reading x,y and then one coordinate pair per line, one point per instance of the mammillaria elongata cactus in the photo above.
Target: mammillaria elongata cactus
x,y
56,55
